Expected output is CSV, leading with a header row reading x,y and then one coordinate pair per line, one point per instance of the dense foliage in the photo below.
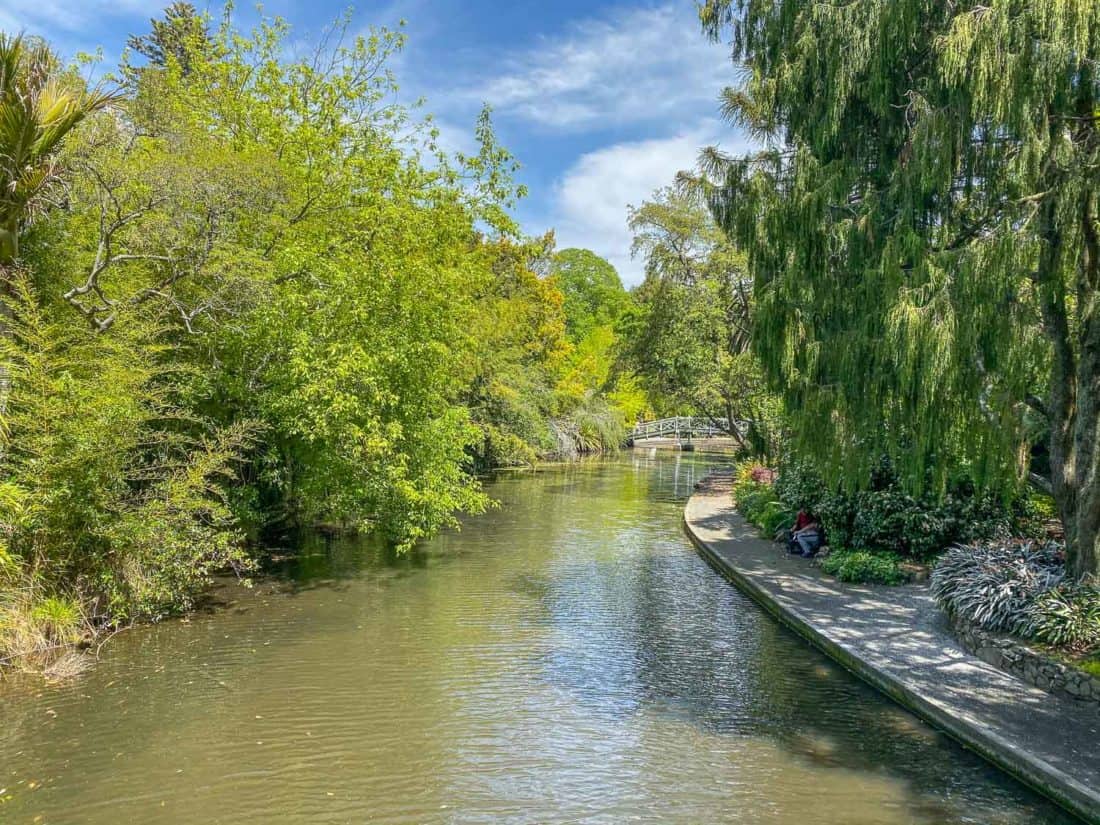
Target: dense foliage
x,y
863,566
688,337
1020,588
246,292
871,531
771,504
923,235
884,517
758,500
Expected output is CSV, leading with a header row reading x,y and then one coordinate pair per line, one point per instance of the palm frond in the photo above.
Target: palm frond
x,y
38,109
11,58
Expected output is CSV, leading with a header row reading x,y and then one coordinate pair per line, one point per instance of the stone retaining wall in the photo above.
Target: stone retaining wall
x,y
1027,664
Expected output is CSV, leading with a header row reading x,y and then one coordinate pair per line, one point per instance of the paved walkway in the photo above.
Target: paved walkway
x,y
897,639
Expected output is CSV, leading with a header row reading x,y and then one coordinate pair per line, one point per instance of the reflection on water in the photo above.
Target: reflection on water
x,y
566,658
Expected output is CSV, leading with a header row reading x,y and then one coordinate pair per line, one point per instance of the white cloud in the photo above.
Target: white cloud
x,y
48,17
590,201
643,65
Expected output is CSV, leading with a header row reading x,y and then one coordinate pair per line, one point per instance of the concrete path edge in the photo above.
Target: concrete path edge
x,y
1048,780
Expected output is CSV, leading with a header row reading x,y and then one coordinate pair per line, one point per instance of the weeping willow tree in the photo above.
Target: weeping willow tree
x,y
923,234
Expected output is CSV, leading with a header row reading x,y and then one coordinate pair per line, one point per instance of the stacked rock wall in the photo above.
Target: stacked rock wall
x,y
1028,664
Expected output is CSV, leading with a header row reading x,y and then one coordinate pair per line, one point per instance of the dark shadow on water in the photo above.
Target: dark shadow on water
x,y
314,560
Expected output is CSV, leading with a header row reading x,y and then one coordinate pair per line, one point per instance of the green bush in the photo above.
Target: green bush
x,y
58,619
800,486
756,498
121,505
1033,513
754,502
863,567
774,516
1067,616
885,518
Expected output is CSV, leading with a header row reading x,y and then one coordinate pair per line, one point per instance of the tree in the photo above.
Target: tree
x,y
179,37
690,339
593,292
923,234
519,348
594,400
39,107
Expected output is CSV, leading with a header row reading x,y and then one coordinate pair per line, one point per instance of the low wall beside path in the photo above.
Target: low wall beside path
x,y
1028,664
897,639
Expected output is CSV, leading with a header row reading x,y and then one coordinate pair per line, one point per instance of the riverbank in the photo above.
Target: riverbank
x,y
898,640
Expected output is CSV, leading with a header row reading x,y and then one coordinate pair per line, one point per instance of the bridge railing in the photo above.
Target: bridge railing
x,y
684,427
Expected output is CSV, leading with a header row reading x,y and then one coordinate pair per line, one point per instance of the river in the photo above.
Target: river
x,y
565,658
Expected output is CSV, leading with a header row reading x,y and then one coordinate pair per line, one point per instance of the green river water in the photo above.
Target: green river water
x,y
566,658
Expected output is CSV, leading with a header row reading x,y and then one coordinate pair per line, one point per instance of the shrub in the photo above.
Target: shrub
x,y
1067,616
592,428
800,486
863,567
36,630
774,516
1020,589
754,501
1034,515
762,475
756,498
120,505
884,517
995,585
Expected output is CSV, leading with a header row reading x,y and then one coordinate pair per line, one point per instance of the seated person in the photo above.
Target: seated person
x,y
806,536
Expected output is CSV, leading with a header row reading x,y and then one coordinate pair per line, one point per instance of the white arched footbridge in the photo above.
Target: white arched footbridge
x,y
683,429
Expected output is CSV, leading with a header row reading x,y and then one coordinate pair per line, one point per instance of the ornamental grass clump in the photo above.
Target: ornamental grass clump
x,y
995,585
1020,588
1067,616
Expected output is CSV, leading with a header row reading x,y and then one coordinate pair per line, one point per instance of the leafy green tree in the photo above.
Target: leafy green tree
x,y
520,349
109,489
330,276
923,236
593,292
595,400
689,341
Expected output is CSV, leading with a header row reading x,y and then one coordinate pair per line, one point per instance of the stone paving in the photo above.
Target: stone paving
x,y
897,639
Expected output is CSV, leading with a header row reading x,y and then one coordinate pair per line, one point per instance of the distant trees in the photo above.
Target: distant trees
x,y
922,232
595,399
689,339
594,294
178,38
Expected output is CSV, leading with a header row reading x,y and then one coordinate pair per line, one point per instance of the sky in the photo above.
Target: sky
x,y
601,102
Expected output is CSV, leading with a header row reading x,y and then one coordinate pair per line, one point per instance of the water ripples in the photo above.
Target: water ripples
x,y
567,658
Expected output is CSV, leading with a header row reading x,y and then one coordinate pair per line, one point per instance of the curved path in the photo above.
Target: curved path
x,y
897,639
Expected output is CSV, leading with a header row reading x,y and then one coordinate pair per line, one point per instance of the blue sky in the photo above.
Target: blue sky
x,y
601,102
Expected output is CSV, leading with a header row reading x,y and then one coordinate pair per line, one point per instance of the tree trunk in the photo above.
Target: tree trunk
x,y
1083,554
1074,406
9,243
1062,402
